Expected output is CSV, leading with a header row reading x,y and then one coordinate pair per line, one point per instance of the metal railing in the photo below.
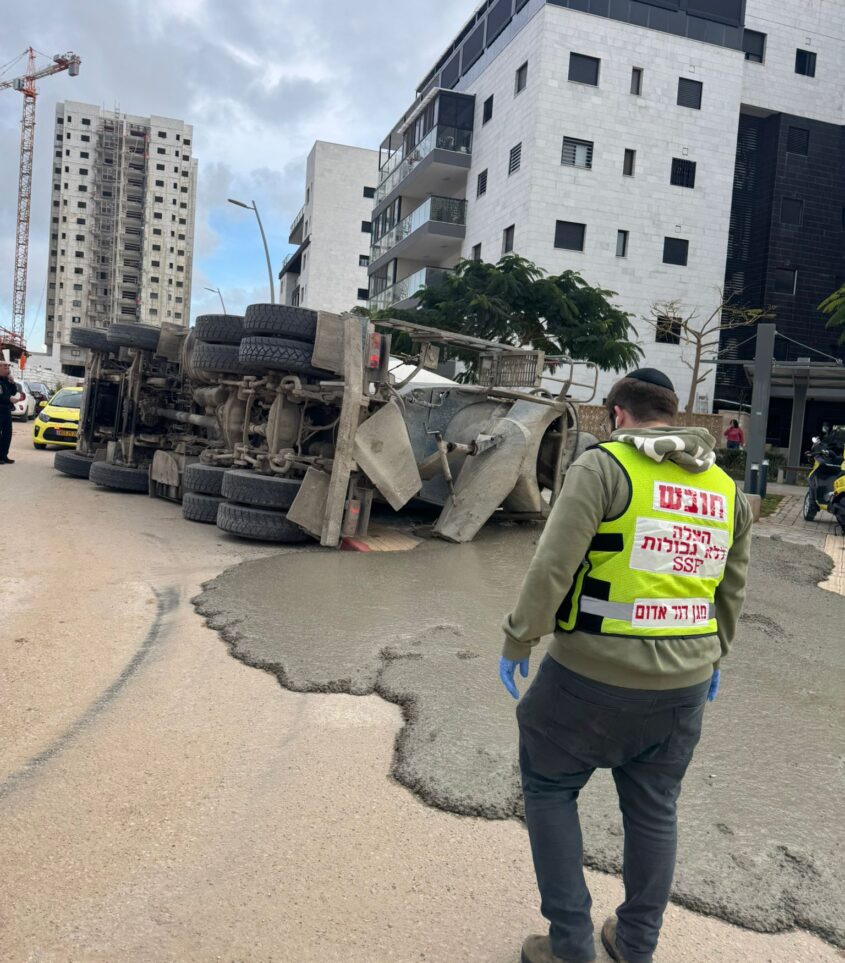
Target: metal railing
x,y
406,288
296,220
438,138
443,210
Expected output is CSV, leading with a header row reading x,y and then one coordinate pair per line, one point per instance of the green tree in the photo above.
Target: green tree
x,y
834,307
515,302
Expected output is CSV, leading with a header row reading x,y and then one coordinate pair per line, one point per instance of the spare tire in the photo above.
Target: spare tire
x,y
264,491
220,328
73,464
280,354
144,336
203,479
92,338
259,524
120,477
218,358
282,321
201,508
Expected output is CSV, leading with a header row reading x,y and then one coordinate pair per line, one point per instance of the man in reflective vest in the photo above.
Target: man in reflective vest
x,y
640,574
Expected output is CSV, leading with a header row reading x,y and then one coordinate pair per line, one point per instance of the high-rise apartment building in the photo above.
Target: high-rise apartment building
x,y
328,270
664,149
122,223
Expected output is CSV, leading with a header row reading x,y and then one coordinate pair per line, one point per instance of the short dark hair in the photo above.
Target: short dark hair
x,y
644,401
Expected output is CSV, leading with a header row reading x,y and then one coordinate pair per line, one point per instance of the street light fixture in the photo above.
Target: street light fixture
x,y
219,295
254,209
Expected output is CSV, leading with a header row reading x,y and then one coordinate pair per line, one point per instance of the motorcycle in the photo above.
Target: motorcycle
x,y
826,483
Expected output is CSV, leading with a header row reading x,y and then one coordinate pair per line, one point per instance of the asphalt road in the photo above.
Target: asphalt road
x,y
761,813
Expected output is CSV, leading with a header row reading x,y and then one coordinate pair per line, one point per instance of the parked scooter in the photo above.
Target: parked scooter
x,y
826,483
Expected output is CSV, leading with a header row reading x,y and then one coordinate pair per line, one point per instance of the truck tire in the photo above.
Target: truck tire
x,y
144,336
73,464
120,477
91,338
219,358
811,509
201,508
220,328
260,491
259,524
280,321
203,479
280,354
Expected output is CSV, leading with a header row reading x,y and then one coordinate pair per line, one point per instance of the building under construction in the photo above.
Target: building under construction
x,y
122,224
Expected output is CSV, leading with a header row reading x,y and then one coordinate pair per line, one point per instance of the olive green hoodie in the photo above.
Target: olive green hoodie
x,y
596,488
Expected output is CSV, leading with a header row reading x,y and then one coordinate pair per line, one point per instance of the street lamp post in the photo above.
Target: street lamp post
x,y
219,295
254,209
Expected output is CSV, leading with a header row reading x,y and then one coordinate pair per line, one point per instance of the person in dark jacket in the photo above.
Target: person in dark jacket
x,y
9,391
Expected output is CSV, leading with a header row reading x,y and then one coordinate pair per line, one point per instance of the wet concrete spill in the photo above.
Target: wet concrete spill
x,y
761,814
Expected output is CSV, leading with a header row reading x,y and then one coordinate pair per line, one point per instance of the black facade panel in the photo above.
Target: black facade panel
x,y
498,18
452,71
726,11
473,48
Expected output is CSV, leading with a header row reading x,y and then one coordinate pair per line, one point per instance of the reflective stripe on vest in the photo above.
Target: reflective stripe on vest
x,y
653,571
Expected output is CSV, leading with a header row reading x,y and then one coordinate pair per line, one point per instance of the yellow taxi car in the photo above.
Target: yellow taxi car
x,y
58,421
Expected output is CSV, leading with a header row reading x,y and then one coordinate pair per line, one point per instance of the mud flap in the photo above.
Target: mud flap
x,y
384,453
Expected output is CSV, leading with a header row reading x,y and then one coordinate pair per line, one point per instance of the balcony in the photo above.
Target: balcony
x,y
436,226
443,155
296,232
401,294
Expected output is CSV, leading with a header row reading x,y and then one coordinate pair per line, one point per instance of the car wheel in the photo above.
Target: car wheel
x,y
260,491
218,358
143,336
811,509
38,445
259,524
120,477
203,479
73,464
281,320
220,328
201,508
280,354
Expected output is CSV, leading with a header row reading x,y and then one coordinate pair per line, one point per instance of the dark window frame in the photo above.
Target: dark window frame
x,y
520,81
580,64
487,110
682,173
668,329
637,74
794,205
690,93
676,251
805,62
569,149
754,46
564,232
508,238
778,276
481,183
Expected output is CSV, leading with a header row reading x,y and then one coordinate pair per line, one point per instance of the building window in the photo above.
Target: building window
x,y
675,251
83,171
569,235
161,150
481,187
487,110
667,330
85,138
161,133
577,153
159,167
584,70
786,280
621,243
636,81
84,154
754,45
363,294
476,253
805,63
363,260
791,210
520,82
369,192
366,227
683,172
798,141
629,162
507,239
689,93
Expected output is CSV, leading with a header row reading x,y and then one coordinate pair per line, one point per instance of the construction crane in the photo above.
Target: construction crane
x,y
14,337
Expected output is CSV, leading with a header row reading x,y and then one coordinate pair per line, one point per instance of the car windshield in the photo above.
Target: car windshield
x,y
67,399
34,387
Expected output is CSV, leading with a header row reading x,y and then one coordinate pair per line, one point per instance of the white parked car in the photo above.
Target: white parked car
x,y
26,404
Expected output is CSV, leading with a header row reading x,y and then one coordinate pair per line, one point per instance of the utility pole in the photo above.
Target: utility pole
x,y
756,448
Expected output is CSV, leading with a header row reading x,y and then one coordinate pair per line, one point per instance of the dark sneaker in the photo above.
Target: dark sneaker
x,y
608,940
538,949
7,461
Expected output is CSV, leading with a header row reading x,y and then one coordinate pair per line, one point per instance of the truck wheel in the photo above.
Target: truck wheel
x,y
263,491
120,477
144,336
280,354
259,524
281,321
219,358
91,338
203,479
811,509
201,508
220,328
73,464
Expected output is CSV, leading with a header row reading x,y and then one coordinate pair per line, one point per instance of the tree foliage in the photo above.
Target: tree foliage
x,y
834,307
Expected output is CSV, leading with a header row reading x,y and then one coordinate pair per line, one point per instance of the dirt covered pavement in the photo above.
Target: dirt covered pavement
x,y
161,801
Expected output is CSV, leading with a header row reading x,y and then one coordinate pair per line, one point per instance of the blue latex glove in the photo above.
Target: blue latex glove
x,y
714,685
507,668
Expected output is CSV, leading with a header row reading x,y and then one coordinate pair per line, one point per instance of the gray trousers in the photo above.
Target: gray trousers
x,y
569,726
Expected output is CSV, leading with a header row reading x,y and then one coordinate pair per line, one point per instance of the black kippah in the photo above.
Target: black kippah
x,y
651,376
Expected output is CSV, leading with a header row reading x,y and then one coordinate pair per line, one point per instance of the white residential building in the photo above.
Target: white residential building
x,y
122,224
328,270
602,136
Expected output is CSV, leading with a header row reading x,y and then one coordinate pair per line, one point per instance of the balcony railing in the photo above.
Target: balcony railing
x,y
442,210
408,287
438,138
297,219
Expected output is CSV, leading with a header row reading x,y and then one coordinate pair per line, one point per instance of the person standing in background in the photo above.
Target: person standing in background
x,y
9,392
734,435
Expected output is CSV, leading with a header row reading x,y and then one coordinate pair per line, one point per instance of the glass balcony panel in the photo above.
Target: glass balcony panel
x,y
405,289
445,210
438,138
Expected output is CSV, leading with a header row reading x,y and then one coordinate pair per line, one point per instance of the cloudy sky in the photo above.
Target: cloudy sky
x,y
259,80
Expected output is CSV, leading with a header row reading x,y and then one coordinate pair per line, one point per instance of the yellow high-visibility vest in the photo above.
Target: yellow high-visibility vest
x,y
653,570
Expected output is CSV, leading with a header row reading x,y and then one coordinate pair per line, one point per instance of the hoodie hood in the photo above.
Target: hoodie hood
x,y
690,448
